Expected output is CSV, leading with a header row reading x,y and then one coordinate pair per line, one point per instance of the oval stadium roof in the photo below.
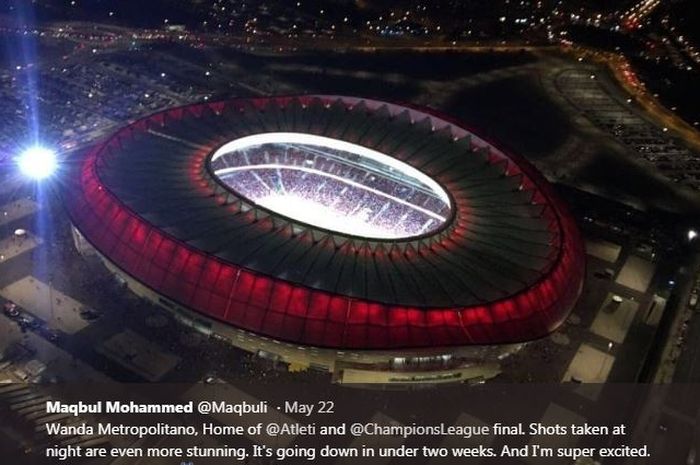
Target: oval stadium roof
x,y
506,267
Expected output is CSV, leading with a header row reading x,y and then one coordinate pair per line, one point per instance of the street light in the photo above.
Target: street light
x,y
692,234
37,162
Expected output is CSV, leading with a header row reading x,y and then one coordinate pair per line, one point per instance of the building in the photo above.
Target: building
x,y
379,241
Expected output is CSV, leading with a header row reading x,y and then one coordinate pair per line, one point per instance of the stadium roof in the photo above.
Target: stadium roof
x,y
507,267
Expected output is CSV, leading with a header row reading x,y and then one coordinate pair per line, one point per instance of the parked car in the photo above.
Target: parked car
x,y
28,321
607,273
50,334
89,314
212,378
10,309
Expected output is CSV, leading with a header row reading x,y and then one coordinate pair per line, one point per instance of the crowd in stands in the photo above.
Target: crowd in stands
x,y
354,187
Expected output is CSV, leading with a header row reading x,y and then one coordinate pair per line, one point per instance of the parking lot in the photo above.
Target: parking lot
x,y
589,90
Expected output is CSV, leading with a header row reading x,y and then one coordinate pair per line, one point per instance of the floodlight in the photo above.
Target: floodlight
x,y
37,162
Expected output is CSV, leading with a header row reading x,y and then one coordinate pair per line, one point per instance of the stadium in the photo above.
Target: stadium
x,y
379,241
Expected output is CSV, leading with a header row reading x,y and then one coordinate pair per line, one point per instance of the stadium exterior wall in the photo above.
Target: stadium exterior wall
x,y
467,363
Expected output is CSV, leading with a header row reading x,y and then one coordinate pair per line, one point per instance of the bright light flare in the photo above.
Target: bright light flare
x,y
37,162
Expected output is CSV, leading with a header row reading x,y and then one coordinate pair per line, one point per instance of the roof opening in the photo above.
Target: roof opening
x,y
333,185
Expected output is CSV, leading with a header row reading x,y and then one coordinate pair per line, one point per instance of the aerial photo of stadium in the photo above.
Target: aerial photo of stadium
x,y
366,238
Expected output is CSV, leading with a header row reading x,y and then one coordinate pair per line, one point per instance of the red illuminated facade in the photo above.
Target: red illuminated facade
x,y
146,202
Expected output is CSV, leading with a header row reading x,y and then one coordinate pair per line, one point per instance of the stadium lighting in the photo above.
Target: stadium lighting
x,y
37,162
294,138
320,215
376,203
